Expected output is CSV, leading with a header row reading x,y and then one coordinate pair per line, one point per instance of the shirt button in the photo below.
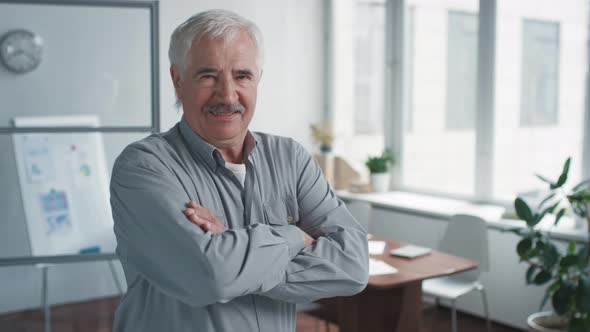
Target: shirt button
x,y
290,219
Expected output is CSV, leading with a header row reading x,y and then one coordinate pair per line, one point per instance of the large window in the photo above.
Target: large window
x,y
358,75
540,60
443,39
369,53
493,91
461,70
541,68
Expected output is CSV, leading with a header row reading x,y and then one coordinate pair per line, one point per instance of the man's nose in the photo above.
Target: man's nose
x,y
226,91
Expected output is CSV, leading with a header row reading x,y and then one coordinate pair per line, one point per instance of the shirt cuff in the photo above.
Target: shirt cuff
x,y
294,237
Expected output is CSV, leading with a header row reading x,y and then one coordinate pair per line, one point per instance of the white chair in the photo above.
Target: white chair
x,y
465,236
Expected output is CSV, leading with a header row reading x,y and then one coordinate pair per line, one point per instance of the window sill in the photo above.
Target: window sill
x,y
444,208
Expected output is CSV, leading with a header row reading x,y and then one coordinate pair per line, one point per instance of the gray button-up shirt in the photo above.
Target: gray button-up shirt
x,y
247,278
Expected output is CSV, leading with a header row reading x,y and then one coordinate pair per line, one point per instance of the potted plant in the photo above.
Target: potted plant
x,y
379,167
565,273
323,136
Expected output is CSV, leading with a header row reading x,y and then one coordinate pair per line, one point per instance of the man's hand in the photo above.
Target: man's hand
x,y
203,218
308,241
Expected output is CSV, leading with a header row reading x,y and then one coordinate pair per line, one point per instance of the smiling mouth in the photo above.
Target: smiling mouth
x,y
224,114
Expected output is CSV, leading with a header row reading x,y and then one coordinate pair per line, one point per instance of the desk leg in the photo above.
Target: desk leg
x,y
397,309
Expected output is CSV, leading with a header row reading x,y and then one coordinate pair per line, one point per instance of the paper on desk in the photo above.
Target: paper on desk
x,y
376,247
377,267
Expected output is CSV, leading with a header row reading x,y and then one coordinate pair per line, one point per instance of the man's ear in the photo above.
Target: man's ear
x,y
260,76
176,80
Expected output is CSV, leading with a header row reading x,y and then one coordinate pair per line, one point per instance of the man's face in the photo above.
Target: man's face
x,y
218,88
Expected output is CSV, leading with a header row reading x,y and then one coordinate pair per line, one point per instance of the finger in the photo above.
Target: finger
x,y
205,212
218,228
194,218
190,213
211,227
214,228
203,223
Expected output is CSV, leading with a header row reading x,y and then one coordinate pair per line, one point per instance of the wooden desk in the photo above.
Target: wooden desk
x,y
392,302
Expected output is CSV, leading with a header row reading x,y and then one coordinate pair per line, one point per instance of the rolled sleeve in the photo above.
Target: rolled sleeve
x,y
337,264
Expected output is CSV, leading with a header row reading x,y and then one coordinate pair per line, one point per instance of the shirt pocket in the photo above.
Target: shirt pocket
x,y
283,211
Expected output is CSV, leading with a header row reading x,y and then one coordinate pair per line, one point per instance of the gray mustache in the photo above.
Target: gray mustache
x,y
224,109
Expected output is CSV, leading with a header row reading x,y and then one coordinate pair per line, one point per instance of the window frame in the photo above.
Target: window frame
x,y
397,99
527,115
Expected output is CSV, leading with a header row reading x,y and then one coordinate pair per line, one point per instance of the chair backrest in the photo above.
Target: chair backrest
x,y
467,236
361,211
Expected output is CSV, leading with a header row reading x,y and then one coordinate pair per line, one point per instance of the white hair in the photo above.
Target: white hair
x,y
215,23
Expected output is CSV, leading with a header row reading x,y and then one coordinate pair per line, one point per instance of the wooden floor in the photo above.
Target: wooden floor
x,y
97,316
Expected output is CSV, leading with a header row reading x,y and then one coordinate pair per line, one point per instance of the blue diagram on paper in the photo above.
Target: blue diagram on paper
x,y
37,155
56,214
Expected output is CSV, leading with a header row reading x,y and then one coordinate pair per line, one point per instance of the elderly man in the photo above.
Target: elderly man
x,y
219,228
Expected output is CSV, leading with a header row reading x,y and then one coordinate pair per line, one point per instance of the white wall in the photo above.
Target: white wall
x,y
290,97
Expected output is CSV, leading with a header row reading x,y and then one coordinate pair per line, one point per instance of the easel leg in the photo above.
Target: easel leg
x,y
44,301
115,278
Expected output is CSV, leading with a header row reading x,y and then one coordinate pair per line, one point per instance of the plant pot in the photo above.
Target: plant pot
x,y
380,182
325,148
546,321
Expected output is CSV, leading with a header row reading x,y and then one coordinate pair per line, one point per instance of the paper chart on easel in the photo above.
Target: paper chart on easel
x,y
64,187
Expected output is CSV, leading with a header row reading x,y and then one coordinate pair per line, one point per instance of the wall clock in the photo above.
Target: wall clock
x,y
21,51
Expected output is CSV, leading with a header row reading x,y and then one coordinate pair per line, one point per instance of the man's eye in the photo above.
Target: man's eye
x,y
243,77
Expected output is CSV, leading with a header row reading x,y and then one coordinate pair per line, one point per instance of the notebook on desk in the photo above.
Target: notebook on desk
x,y
379,267
410,251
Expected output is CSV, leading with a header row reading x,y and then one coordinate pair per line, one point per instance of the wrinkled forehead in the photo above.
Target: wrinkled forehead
x,y
237,47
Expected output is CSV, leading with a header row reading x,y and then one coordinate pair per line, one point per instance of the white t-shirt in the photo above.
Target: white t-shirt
x,y
239,171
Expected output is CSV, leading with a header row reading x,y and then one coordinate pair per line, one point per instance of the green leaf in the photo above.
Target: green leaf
x,y
560,299
578,325
380,164
571,248
558,216
523,247
563,177
549,256
546,180
545,298
568,261
580,185
583,257
583,293
523,211
515,230
548,198
542,277
538,217
530,274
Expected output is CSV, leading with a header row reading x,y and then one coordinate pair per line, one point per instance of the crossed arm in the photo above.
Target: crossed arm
x,y
334,258
202,217
201,263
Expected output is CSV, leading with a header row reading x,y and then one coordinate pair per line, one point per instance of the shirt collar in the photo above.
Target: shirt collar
x,y
209,153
